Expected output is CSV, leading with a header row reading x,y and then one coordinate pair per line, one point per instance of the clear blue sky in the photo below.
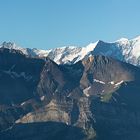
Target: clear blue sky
x,y
53,23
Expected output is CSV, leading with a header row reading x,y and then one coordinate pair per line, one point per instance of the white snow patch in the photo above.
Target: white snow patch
x,y
112,82
86,91
98,81
119,83
42,98
87,49
22,103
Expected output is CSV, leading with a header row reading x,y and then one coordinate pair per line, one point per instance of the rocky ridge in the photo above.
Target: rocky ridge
x,y
97,91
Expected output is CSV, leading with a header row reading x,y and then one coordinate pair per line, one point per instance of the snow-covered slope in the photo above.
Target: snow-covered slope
x,y
27,51
122,49
71,54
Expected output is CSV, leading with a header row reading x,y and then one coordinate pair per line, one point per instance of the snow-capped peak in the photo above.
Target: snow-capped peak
x,y
122,49
122,40
85,51
90,47
27,51
135,44
9,45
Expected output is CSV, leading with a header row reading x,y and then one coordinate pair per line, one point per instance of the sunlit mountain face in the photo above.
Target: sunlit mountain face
x,y
87,93
126,50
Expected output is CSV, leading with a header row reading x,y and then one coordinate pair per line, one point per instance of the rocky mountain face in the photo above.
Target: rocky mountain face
x,y
123,49
95,98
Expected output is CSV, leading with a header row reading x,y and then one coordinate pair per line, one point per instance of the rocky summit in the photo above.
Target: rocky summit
x,y
95,98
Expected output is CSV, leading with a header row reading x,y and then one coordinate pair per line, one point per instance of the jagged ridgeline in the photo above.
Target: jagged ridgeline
x,y
123,49
94,98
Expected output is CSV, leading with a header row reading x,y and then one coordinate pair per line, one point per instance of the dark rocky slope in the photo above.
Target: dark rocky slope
x,y
98,98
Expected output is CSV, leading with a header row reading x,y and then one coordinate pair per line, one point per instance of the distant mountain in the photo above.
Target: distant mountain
x,y
96,98
27,51
122,49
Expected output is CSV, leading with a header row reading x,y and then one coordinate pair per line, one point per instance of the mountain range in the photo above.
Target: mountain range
x,y
123,49
70,93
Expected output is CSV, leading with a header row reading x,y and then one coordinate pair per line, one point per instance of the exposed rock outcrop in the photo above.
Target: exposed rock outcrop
x,y
99,95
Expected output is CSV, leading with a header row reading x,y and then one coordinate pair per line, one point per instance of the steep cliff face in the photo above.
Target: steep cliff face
x,y
99,95
19,76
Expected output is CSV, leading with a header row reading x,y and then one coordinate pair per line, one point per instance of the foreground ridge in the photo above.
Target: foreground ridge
x,y
40,99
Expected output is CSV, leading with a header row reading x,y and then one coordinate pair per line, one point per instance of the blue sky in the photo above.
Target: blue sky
x,y
48,24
